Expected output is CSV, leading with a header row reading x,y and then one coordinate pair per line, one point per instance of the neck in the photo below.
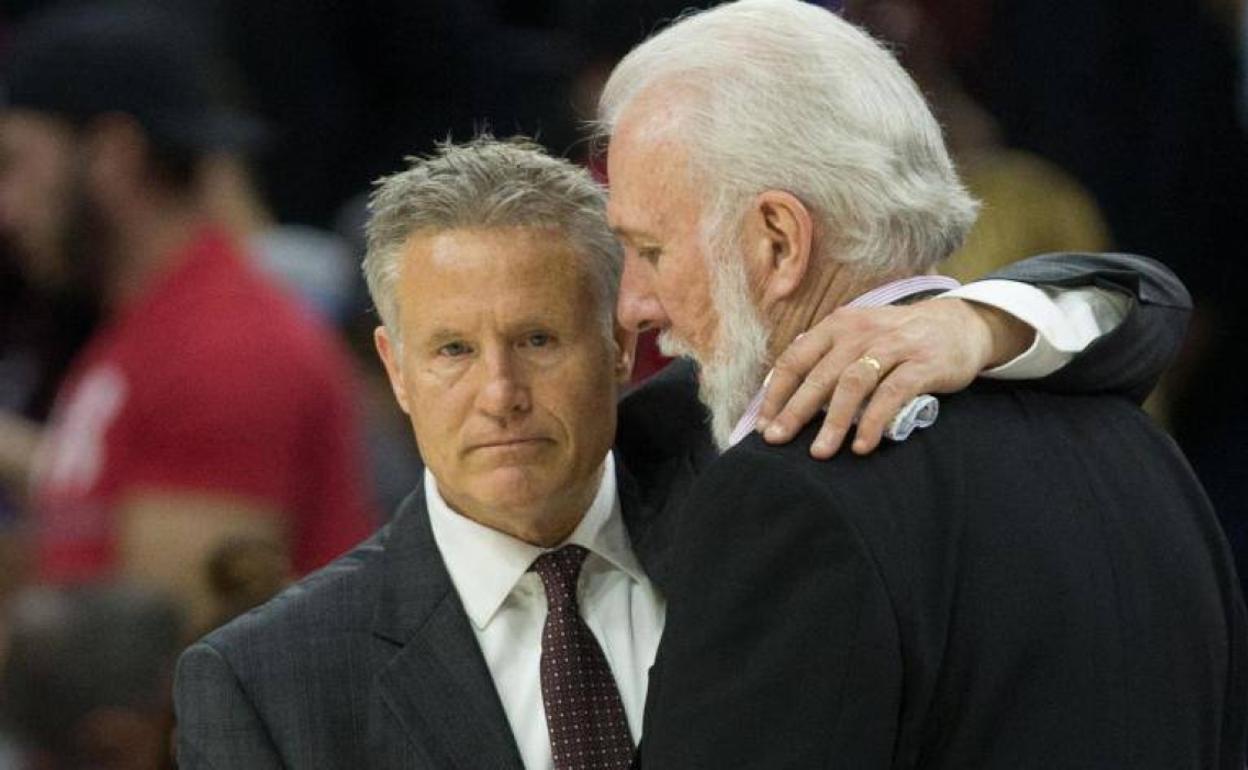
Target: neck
x,y
823,292
146,248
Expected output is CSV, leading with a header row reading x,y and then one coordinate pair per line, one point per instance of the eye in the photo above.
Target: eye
x,y
650,253
454,350
537,340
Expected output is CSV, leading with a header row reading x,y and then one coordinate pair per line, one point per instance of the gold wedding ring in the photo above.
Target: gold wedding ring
x,y
872,362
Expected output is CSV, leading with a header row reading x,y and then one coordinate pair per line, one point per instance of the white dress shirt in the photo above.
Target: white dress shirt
x,y
506,606
1066,321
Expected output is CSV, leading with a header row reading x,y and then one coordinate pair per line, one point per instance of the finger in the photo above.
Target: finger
x,y
810,397
798,359
852,389
892,394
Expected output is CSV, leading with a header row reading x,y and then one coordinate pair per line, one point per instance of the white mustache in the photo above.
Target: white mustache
x,y
673,346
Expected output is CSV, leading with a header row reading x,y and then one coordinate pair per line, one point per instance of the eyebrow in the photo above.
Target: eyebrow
x,y
630,234
441,335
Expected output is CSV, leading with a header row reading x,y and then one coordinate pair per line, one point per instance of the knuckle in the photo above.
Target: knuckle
x,y
913,334
893,390
852,318
855,380
790,362
910,383
818,385
838,420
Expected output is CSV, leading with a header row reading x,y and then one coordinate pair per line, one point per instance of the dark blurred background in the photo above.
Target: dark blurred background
x,y
1081,124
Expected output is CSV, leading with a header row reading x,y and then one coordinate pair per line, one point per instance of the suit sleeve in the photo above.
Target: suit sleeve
x,y
1130,359
218,727
780,649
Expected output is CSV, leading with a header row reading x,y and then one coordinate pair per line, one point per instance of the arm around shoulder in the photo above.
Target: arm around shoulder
x,y
218,726
1132,357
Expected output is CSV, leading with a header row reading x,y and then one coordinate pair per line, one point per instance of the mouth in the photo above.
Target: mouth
x,y
510,443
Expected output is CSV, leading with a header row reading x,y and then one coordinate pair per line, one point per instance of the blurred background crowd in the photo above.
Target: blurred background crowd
x,y
152,412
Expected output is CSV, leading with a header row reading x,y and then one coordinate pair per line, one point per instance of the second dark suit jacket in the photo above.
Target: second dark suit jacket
x,y
1038,581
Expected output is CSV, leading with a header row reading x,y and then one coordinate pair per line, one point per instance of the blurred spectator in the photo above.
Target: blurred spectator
x,y
314,264
87,678
44,321
208,405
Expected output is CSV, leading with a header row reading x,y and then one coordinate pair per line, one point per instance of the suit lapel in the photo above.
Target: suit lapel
x,y
436,684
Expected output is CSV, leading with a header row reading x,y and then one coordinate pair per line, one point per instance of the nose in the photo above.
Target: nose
x,y
504,395
638,307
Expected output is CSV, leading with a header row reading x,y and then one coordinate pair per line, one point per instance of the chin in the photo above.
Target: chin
x,y
516,488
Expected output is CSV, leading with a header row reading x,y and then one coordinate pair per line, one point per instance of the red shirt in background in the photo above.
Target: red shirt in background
x,y
212,381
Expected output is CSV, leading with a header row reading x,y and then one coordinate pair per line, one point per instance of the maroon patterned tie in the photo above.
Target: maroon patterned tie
x,y
584,714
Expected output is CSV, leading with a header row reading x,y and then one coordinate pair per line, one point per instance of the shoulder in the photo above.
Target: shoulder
x,y
783,483
777,499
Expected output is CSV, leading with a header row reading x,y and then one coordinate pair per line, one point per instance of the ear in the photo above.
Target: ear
x,y
779,232
389,353
625,353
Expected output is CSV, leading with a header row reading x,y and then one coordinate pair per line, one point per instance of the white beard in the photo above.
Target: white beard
x,y
736,368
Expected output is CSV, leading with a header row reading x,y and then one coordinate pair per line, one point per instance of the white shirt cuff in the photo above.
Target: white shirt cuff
x,y
1066,321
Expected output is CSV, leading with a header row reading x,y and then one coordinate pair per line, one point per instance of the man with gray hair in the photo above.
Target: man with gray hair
x,y
1037,582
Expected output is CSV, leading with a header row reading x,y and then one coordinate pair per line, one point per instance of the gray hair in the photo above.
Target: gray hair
x,y
489,183
780,94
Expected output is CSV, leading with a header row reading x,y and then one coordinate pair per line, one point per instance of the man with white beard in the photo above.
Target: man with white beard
x,y
1038,582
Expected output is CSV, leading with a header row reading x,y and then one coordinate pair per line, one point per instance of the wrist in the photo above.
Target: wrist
x,y
1005,337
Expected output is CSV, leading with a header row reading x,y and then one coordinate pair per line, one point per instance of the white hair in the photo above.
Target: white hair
x,y
783,95
729,378
490,183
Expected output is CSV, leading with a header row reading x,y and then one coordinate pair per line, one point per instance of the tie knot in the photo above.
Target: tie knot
x,y
559,571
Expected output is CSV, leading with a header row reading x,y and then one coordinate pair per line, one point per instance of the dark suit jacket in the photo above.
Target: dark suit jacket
x,y
1036,582
372,662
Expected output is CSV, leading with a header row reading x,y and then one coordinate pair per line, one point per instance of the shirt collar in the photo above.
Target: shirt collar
x,y
887,294
486,564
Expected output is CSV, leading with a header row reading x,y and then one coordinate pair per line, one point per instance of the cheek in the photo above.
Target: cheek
x,y
589,415
686,296
437,415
